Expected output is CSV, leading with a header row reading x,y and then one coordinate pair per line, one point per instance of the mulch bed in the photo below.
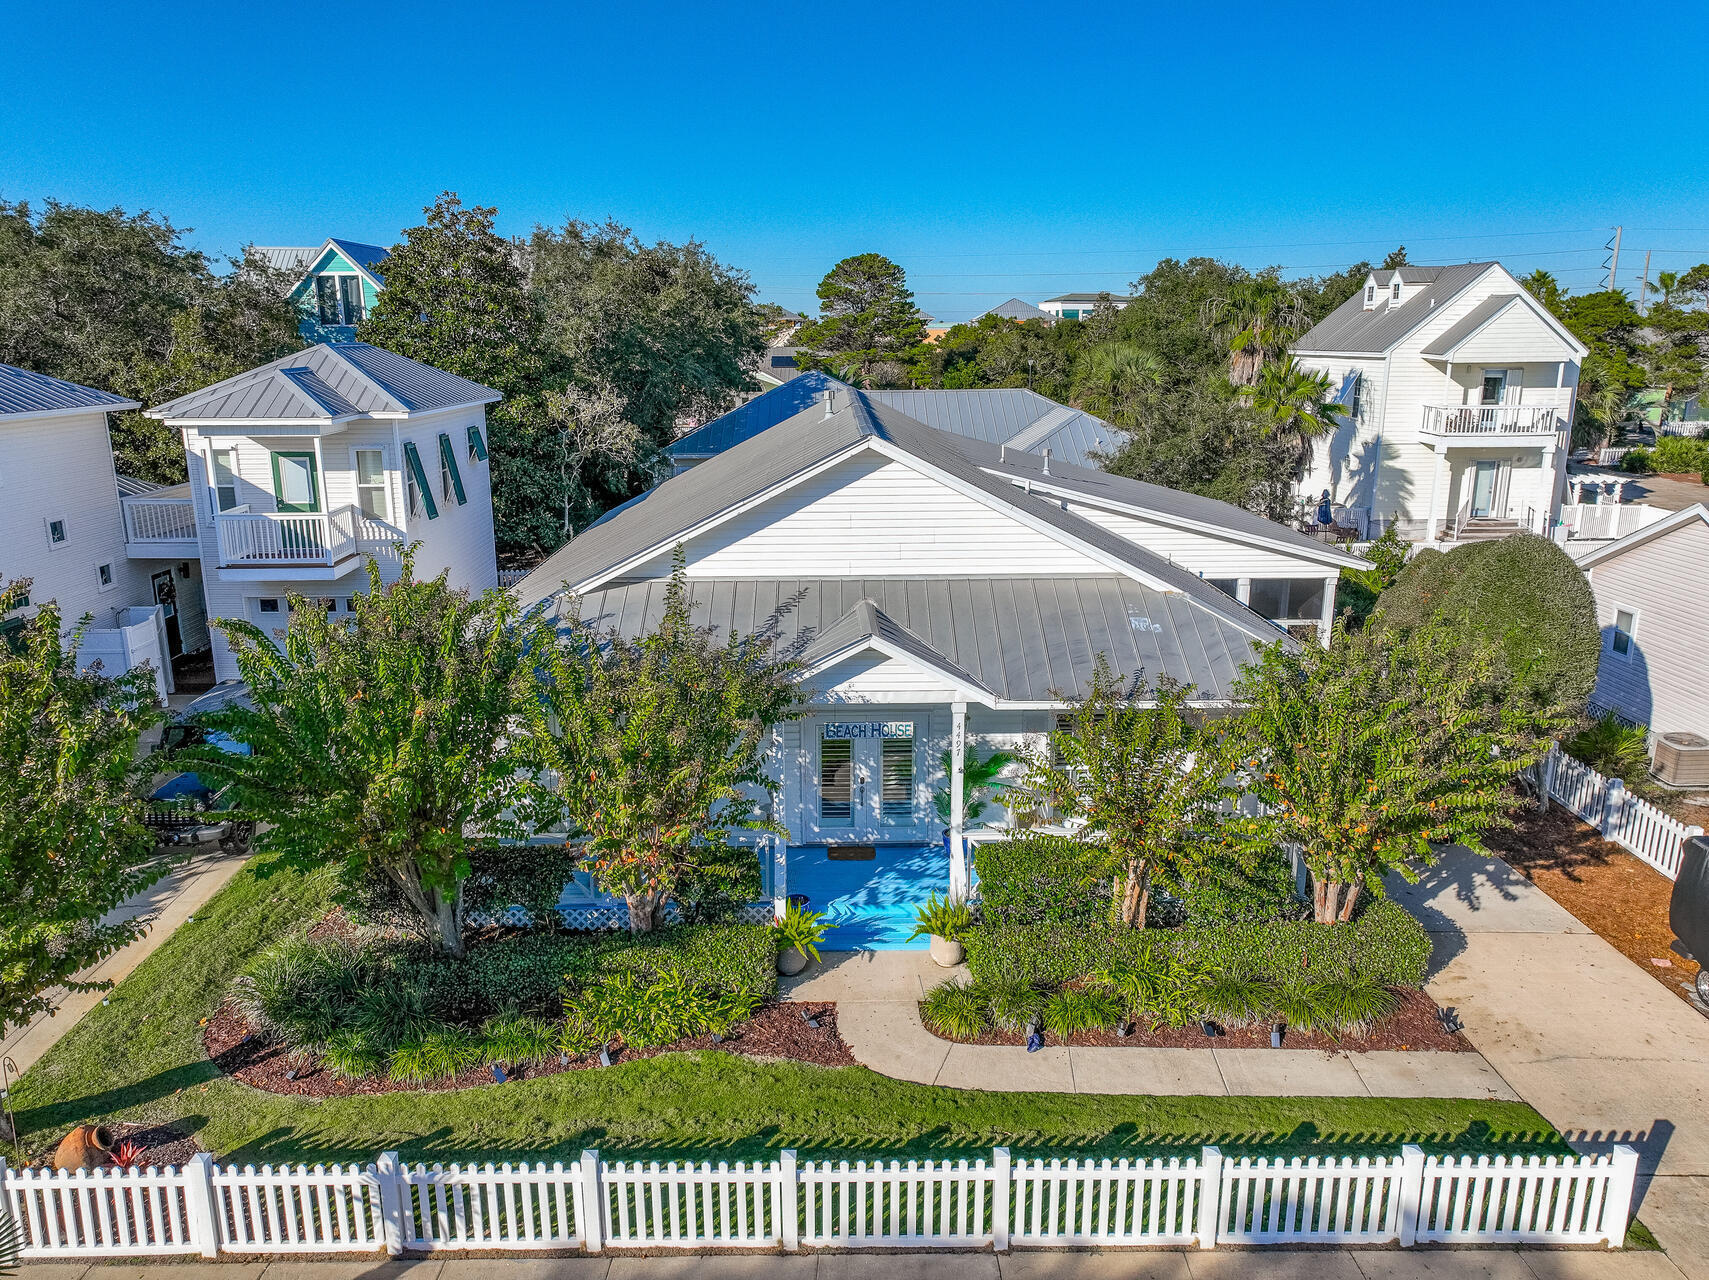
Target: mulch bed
x,y
1618,896
162,1144
1413,1025
777,1031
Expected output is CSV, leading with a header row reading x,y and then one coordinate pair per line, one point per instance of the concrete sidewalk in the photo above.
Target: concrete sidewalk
x,y
878,994
1161,1264
165,906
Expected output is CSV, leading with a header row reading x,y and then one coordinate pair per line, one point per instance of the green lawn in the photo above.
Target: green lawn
x,y
139,1058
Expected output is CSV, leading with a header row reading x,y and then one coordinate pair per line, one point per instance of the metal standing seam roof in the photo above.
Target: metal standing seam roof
x,y
24,394
669,510
328,380
1025,639
1014,309
366,256
288,257
1090,297
1476,319
1352,329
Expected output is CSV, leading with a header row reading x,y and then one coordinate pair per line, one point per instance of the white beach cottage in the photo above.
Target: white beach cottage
x,y
1458,389
944,590
302,468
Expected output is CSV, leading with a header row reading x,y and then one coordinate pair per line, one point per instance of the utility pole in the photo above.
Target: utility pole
x,y
1644,284
1614,262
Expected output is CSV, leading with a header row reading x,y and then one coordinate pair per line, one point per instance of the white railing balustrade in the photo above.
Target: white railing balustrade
x,y
159,519
288,538
1492,419
950,1204
1633,823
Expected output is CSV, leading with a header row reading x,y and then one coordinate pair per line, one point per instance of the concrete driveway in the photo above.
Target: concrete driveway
x,y
1579,1032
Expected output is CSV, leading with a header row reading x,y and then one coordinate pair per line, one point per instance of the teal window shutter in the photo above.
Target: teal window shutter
x,y
477,446
418,473
448,457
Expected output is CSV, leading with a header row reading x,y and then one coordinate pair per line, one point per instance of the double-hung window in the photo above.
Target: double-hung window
x,y
338,299
1625,631
350,298
371,484
225,478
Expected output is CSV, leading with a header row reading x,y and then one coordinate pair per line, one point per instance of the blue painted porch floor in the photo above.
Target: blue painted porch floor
x,y
870,906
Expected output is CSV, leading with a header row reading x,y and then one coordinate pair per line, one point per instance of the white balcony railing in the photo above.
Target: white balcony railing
x,y
287,538
159,519
1492,419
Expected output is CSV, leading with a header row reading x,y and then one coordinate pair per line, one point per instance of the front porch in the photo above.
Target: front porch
x,y
1478,492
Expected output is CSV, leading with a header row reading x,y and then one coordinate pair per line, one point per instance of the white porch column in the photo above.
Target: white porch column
x,y
1551,495
1243,591
1438,484
960,883
779,845
1326,624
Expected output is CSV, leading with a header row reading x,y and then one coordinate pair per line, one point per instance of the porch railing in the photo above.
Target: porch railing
x,y
1491,419
288,538
159,519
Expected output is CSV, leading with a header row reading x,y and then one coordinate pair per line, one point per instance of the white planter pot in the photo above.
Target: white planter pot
x,y
790,962
946,952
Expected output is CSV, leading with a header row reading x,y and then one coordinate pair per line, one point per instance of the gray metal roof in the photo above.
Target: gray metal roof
x,y
778,364
1478,317
1089,297
328,380
367,256
1352,329
287,257
865,623
1015,309
664,514
23,394
1013,416
1025,639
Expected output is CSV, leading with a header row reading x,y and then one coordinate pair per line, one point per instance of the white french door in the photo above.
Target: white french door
x,y
865,775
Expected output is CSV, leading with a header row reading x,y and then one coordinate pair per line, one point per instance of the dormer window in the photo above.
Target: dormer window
x,y
1394,291
338,299
1370,295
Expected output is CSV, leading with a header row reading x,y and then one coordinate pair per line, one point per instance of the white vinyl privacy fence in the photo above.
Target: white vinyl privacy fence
x,y
1000,1203
1629,821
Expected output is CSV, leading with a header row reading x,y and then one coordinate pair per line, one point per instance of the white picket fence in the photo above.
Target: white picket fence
x,y
1000,1203
1633,823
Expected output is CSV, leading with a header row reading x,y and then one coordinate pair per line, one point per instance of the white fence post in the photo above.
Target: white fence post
x,y
394,1194
1411,1193
1618,1206
1210,1195
590,1204
1613,809
201,1207
1548,771
789,1188
1002,1196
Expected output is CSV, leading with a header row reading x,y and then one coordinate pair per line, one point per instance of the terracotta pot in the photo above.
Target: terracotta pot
x,y
85,1147
947,952
790,962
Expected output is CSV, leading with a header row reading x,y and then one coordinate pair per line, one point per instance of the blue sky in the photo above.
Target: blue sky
x,y
993,149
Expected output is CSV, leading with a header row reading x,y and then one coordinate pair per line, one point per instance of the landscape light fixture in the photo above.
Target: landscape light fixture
x,y
1123,1030
1450,1021
1276,1036
563,1059
499,1077
604,1057
809,1019
1211,1030
1035,1040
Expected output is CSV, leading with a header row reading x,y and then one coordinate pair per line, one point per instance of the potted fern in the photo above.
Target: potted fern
x,y
945,922
799,934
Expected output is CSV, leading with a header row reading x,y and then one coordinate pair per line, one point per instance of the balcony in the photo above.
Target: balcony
x,y
1468,424
260,545
160,525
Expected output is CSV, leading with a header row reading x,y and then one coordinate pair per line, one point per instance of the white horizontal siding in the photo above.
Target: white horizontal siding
x,y
1664,681
874,677
1516,335
1202,553
874,517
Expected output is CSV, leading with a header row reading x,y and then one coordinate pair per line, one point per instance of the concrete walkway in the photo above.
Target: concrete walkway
x,y
878,994
1580,1032
165,906
1160,1264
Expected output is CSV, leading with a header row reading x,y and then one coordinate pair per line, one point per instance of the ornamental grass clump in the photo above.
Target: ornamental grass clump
x,y
1013,1006
954,1009
438,1055
1071,1011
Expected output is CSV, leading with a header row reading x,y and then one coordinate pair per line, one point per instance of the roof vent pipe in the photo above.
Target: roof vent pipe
x,y
1047,462
830,403
1002,453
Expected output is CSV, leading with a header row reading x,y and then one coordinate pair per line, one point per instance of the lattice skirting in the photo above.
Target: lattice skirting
x,y
596,919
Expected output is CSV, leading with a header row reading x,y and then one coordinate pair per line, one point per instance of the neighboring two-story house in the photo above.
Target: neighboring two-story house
x,y
61,526
1080,306
1458,390
337,285
304,467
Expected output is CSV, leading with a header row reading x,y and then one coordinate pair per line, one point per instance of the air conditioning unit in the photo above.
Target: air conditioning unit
x,y
1681,760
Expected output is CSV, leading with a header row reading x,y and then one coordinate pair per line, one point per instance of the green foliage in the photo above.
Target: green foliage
x,y
437,1054
11,1240
977,777
1233,998
649,1013
1036,877
1070,1011
867,316
1155,981
801,929
1337,1006
1680,455
1638,461
301,991
1384,945
659,742
350,1055
1295,405
72,843
1356,597
518,1040
1146,779
1611,747
1013,1006
954,1009
719,880
1369,754
1523,594
421,687
941,918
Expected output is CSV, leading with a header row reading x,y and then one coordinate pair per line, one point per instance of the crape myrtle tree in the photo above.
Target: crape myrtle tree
x,y
72,842
659,746
1370,752
385,742
1145,775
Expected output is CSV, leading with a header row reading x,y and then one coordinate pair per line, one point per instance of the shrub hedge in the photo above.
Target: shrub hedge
x,y
1384,945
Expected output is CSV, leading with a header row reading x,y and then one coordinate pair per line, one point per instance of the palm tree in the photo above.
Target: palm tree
x,y
851,372
1293,403
1258,318
1543,286
1111,376
1666,283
